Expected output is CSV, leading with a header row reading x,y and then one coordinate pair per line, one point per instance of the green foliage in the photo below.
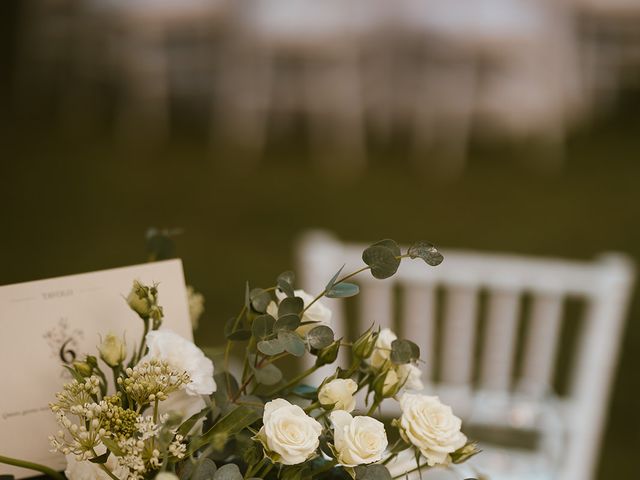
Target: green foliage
x,y
291,342
285,283
372,472
343,290
333,279
262,326
320,337
290,305
404,351
202,469
271,347
236,331
426,251
290,321
229,471
259,299
383,257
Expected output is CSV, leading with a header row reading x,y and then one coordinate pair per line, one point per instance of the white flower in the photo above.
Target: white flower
x,y
113,350
182,355
288,432
317,312
382,349
339,393
166,476
410,376
196,305
85,470
431,426
358,440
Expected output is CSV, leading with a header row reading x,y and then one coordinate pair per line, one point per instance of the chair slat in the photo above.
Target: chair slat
x,y
418,323
541,344
499,340
376,305
459,335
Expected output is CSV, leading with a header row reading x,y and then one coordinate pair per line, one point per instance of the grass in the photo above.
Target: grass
x,y
72,204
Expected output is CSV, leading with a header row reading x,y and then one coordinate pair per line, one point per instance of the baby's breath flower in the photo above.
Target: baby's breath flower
x,y
151,381
76,394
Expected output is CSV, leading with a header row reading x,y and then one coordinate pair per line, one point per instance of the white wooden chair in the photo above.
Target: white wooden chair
x,y
520,295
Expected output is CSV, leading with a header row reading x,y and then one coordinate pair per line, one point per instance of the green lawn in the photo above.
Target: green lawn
x,y
71,205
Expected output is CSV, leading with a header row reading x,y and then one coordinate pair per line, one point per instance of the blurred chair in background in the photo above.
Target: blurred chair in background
x,y
610,47
506,397
140,37
298,57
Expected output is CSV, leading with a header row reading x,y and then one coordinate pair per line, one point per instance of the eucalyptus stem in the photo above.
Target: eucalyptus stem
x,y
311,407
294,380
227,348
255,468
32,466
324,292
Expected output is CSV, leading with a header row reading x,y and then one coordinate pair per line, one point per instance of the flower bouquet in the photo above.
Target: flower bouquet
x,y
159,411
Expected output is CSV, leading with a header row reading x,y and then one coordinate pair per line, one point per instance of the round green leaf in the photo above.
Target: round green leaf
x,y
382,260
291,342
230,471
290,305
390,244
320,337
271,347
259,299
426,251
372,472
268,374
290,321
262,326
403,351
285,283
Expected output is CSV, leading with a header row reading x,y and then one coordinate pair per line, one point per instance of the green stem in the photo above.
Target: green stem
x,y
227,348
32,466
374,406
143,343
324,292
293,381
254,468
312,407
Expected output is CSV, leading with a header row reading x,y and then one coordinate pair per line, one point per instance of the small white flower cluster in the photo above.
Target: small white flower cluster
x,y
76,394
142,453
152,380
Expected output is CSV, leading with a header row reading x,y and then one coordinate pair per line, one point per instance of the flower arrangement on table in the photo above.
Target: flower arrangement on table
x,y
169,416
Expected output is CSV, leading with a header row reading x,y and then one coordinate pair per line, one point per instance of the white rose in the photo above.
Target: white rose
x,y
410,376
431,426
382,348
358,440
182,355
85,470
288,432
315,313
339,393
113,350
139,300
166,476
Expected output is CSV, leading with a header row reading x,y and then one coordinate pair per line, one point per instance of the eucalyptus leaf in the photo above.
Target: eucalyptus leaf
x,y
343,290
305,391
268,374
426,251
271,347
259,299
290,321
320,337
236,332
372,472
333,279
285,283
262,326
382,260
403,351
290,305
230,471
390,244
291,342
204,469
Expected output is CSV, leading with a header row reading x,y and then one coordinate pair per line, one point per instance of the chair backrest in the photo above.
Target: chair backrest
x,y
519,301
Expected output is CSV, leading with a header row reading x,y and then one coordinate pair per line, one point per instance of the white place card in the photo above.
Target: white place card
x,y
44,323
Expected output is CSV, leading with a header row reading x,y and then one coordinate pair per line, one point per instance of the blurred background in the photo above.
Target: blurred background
x,y
507,126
